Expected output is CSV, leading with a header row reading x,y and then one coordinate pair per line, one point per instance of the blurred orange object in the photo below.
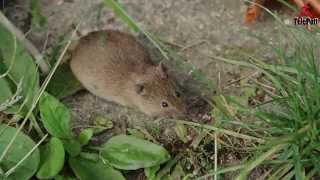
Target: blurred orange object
x,y
308,8
253,12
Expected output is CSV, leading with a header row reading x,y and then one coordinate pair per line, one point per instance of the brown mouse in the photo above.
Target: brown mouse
x,y
114,66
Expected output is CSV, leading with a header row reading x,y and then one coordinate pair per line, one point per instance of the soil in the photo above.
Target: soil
x,y
198,29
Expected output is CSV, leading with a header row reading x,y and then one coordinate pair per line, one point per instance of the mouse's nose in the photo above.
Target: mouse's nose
x,y
181,113
175,113
184,111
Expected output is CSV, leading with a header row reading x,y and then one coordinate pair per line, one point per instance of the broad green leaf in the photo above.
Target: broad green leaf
x,y
5,91
130,153
16,59
72,146
2,65
20,147
85,136
86,169
90,156
55,117
52,159
8,100
63,83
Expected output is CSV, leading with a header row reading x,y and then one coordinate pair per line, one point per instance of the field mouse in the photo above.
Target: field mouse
x,y
114,66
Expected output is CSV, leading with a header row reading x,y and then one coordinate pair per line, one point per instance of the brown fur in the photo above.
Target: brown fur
x,y
115,66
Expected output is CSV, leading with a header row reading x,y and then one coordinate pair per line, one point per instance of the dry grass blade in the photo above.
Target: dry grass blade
x,y
220,130
117,9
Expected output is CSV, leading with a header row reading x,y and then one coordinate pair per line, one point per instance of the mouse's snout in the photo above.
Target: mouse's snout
x,y
174,112
180,109
183,111
179,113
175,115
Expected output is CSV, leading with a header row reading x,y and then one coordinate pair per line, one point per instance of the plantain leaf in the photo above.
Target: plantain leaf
x,y
52,157
20,147
63,83
72,146
5,90
86,169
85,136
131,153
55,117
20,65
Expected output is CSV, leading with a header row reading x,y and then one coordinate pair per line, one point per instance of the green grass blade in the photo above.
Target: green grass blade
x,y
121,13
258,160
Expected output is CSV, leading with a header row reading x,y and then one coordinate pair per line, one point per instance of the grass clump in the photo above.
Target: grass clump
x,y
293,113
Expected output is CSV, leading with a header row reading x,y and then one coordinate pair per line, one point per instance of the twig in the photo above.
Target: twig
x,y
44,67
240,79
216,154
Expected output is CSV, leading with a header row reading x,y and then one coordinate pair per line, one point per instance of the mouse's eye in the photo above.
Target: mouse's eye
x,y
164,104
177,94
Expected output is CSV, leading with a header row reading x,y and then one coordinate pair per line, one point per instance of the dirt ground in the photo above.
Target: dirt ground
x,y
202,29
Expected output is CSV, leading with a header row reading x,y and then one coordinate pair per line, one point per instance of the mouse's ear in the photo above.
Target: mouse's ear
x,y
162,70
139,88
